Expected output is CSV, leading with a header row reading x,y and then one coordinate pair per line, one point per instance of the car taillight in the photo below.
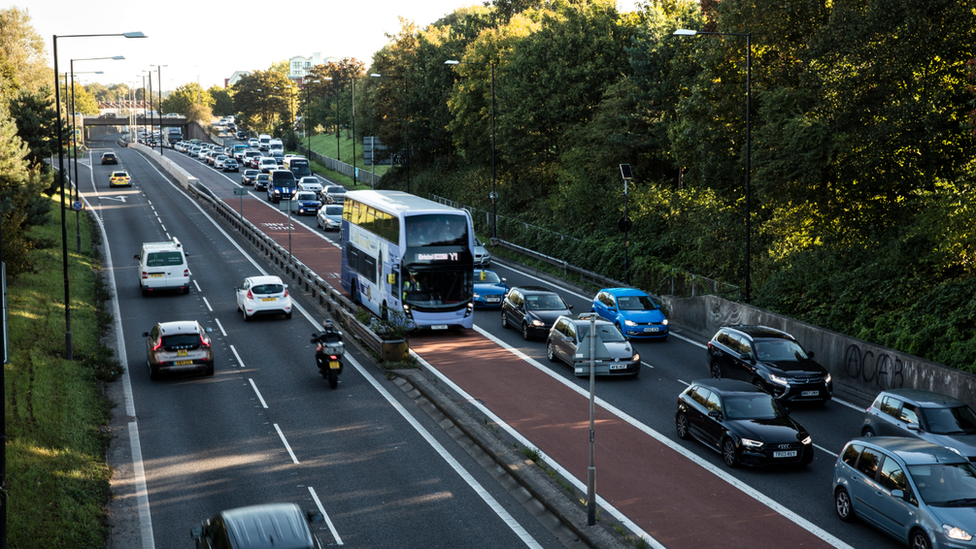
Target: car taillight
x,y
186,272
204,342
286,293
158,345
250,295
145,274
333,357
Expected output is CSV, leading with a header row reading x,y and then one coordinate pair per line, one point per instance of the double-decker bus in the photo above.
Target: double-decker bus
x,y
403,252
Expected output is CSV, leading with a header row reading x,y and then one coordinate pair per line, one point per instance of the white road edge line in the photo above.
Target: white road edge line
x,y
285,442
264,404
318,503
745,488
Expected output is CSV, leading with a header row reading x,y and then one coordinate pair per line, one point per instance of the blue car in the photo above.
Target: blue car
x,y
633,311
489,288
306,203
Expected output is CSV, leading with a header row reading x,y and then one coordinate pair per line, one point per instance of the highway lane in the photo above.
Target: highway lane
x,y
650,399
265,427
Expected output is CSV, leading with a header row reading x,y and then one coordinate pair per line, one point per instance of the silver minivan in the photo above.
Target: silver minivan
x,y
919,493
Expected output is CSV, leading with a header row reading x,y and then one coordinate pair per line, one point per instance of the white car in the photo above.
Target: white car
x,y
263,295
266,164
329,217
310,183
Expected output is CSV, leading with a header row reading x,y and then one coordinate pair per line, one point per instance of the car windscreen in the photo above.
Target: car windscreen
x,y
780,350
635,303
306,196
958,420
487,277
752,407
335,190
267,289
333,210
945,484
164,259
119,174
544,303
608,333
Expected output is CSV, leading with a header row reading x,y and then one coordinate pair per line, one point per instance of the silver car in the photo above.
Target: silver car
x,y
919,493
568,342
481,256
329,217
915,413
178,346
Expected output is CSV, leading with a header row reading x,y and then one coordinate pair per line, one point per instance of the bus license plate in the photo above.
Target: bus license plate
x,y
809,393
184,362
789,454
438,327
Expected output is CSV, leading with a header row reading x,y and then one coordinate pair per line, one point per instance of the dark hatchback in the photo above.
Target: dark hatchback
x,y
741,422
109,158
771,360
533,310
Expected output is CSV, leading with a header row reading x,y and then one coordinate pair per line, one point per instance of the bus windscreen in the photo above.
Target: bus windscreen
x,y
436,230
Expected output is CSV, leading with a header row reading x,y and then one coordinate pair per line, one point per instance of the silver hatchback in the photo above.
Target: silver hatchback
x,y
915,491
178,346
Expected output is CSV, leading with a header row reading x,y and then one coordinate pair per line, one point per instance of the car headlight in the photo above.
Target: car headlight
x,y
827,378
538,323
755,444
636,357
664,322
477,295
807,441
629,322
779,380
953,532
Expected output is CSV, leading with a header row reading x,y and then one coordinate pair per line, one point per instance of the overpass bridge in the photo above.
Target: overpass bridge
x,y
140,120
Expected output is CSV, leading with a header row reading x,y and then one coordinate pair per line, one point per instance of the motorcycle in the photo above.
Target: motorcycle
x,y
328,352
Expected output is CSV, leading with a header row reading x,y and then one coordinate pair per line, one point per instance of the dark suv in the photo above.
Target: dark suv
x,y
771,360
533,310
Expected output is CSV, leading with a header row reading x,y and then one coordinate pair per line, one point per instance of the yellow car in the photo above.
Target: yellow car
x,y
119,179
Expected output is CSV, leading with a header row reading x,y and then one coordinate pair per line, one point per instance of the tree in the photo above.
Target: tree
x,y
84,102
223,101
183,98
20,197
99,92
23,49
255,99
36,121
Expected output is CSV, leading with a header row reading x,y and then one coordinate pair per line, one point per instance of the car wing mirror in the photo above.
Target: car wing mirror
x,y
314,516
136,257
570,306
196,532
899,494
715,414
913,427
809,354
145,334
208,330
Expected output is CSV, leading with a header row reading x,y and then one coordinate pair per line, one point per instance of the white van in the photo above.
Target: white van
x,y
263,141
162,266
276,145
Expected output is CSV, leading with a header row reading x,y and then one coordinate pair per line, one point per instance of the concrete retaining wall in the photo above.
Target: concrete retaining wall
x,y
856,366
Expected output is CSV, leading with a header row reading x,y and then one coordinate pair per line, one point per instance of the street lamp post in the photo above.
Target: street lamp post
x,y
64,229
159,84
406,103
748,37
308,118
494,193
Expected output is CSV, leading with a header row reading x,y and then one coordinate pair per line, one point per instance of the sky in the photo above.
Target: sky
x,y
206,41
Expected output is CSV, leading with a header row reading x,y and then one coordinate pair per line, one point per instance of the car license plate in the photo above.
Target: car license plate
x,y
652,329
184,362
438,327
181,352
334,364
618,366
154,275
809,393
267,299
493,299
789,454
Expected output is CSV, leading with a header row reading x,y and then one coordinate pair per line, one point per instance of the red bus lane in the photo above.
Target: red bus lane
x,y
654,486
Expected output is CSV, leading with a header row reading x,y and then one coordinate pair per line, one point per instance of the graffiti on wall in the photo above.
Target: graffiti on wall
x,y
880,369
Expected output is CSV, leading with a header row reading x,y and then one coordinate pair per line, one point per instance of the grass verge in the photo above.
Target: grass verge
x,y
56,412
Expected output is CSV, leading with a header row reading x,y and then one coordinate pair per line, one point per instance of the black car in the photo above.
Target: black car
x,y
532,309
249,177
109,158
743,423
769,359
270,526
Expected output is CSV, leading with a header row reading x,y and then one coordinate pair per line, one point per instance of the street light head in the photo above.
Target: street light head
x,y
376,75
134,35
685,32
118,57
451,62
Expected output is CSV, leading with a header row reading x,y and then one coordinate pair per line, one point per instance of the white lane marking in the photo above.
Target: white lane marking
x,y
207,303
318,503
265,405
135,444
142,491
237,356
285,442
822,449
221,327
742,486
196,285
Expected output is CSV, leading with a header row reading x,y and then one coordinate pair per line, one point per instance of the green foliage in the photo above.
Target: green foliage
x,y
22,49
84,102
36,120
223,101
181,101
